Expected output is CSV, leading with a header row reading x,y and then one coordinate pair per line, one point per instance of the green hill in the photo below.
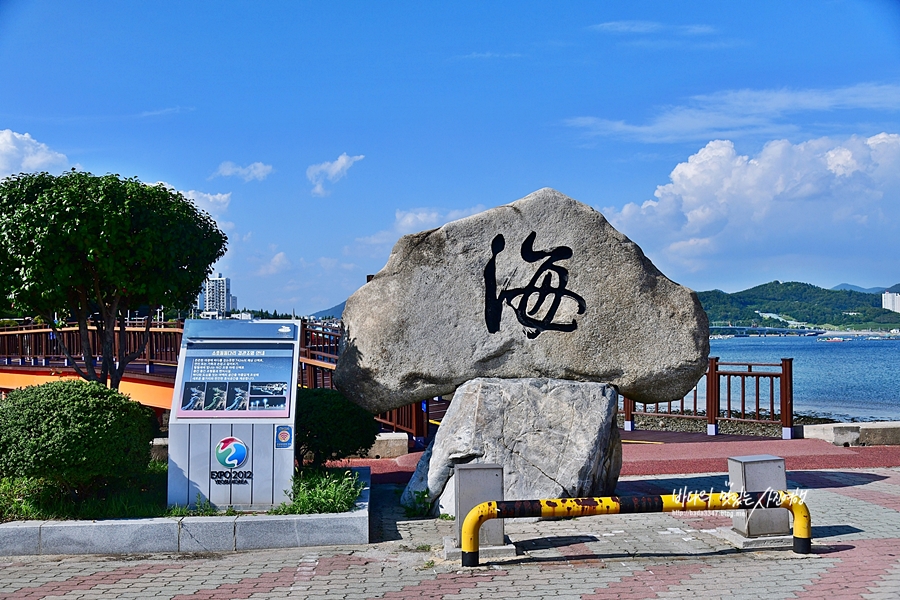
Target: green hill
x,y
802,302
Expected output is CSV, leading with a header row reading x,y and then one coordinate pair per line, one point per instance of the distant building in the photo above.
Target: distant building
x,y
890,301
215,299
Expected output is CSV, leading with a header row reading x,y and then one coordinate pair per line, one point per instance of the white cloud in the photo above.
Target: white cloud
x,y
162,112
489,55
628,27
732,113
645,28
277,264
415,220
255,170
832,200
214,204
332,171
19,152
332,264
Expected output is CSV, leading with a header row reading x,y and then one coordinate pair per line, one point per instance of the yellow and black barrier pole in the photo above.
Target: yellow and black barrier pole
x,y
613,505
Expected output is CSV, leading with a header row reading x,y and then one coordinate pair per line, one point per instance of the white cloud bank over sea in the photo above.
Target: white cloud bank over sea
x,y
787,207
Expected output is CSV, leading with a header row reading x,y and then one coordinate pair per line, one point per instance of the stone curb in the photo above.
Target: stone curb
x,y
874,433
190,534
741,542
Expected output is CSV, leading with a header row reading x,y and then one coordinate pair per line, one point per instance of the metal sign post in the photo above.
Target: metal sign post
x,y
231,429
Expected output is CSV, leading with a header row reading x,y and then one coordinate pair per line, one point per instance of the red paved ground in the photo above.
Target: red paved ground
x,y
698,455
387,470
667,453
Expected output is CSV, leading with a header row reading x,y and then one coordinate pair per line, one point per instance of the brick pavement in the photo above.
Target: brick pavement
x,y
856,554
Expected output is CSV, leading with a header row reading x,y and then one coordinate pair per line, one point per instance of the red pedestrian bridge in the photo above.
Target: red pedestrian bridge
x,y
32,354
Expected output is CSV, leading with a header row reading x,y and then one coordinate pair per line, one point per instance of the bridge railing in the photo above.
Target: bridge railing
x,y
38,345
739,392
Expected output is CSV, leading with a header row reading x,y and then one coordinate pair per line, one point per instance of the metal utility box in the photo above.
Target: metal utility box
x,y
759,473
231,429
477,483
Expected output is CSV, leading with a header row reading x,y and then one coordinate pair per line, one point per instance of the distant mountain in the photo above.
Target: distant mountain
x,y
334,311
894,289
795,301
856,288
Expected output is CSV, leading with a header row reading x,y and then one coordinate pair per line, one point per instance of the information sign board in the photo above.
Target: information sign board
x,y
231,426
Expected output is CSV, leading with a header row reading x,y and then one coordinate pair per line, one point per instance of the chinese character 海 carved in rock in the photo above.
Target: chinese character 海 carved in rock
x,y
529,303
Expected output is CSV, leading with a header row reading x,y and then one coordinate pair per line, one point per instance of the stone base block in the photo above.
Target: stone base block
x,y
159,449
554,438
390,445
773,542
879,434
451,552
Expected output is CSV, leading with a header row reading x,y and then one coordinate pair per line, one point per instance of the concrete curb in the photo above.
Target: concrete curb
x,y
741,542
190,534
876,433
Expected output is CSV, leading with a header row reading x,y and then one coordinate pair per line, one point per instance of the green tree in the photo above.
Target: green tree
x,y
327,426
95,247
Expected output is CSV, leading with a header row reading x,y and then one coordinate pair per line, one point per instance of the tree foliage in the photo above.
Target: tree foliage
x,y
796,302
330,427
74,433
96,247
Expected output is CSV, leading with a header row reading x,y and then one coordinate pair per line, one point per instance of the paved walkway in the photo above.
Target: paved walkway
x,y
856,550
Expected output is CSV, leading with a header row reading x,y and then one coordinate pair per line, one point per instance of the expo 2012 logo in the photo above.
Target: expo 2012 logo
x,y
231,452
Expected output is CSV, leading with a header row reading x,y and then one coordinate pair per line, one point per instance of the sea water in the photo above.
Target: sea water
x,y
852,380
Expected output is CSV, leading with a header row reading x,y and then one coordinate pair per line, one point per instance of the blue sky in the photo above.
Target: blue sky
x,y
737,143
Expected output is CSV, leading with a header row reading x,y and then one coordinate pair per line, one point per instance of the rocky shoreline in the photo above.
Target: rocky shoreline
x,y
656,423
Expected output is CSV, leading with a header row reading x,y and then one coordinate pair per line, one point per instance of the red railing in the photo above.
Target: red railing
x,y
38,345
320,346
319,349
412,419
741,392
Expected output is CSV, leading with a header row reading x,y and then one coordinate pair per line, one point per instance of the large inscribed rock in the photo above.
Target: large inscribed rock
x,y
554,438
542,287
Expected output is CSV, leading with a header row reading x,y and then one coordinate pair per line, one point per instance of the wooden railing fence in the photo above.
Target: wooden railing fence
x,y
39,346
729,391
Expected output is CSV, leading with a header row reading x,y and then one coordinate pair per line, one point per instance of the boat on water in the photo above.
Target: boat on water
x,y
835,339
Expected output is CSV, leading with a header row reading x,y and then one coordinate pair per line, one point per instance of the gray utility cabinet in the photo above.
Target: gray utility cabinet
x,y
476,483
759,473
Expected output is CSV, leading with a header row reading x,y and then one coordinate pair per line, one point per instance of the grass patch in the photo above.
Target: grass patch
x,y
202,508
420,506
318,491
31,498
144,496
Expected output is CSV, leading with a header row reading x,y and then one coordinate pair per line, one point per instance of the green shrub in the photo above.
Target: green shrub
x,y
321,491
329,427
75,433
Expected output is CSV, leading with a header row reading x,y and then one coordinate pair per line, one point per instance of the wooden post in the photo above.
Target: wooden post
x,y
628,405
787,398
712,396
